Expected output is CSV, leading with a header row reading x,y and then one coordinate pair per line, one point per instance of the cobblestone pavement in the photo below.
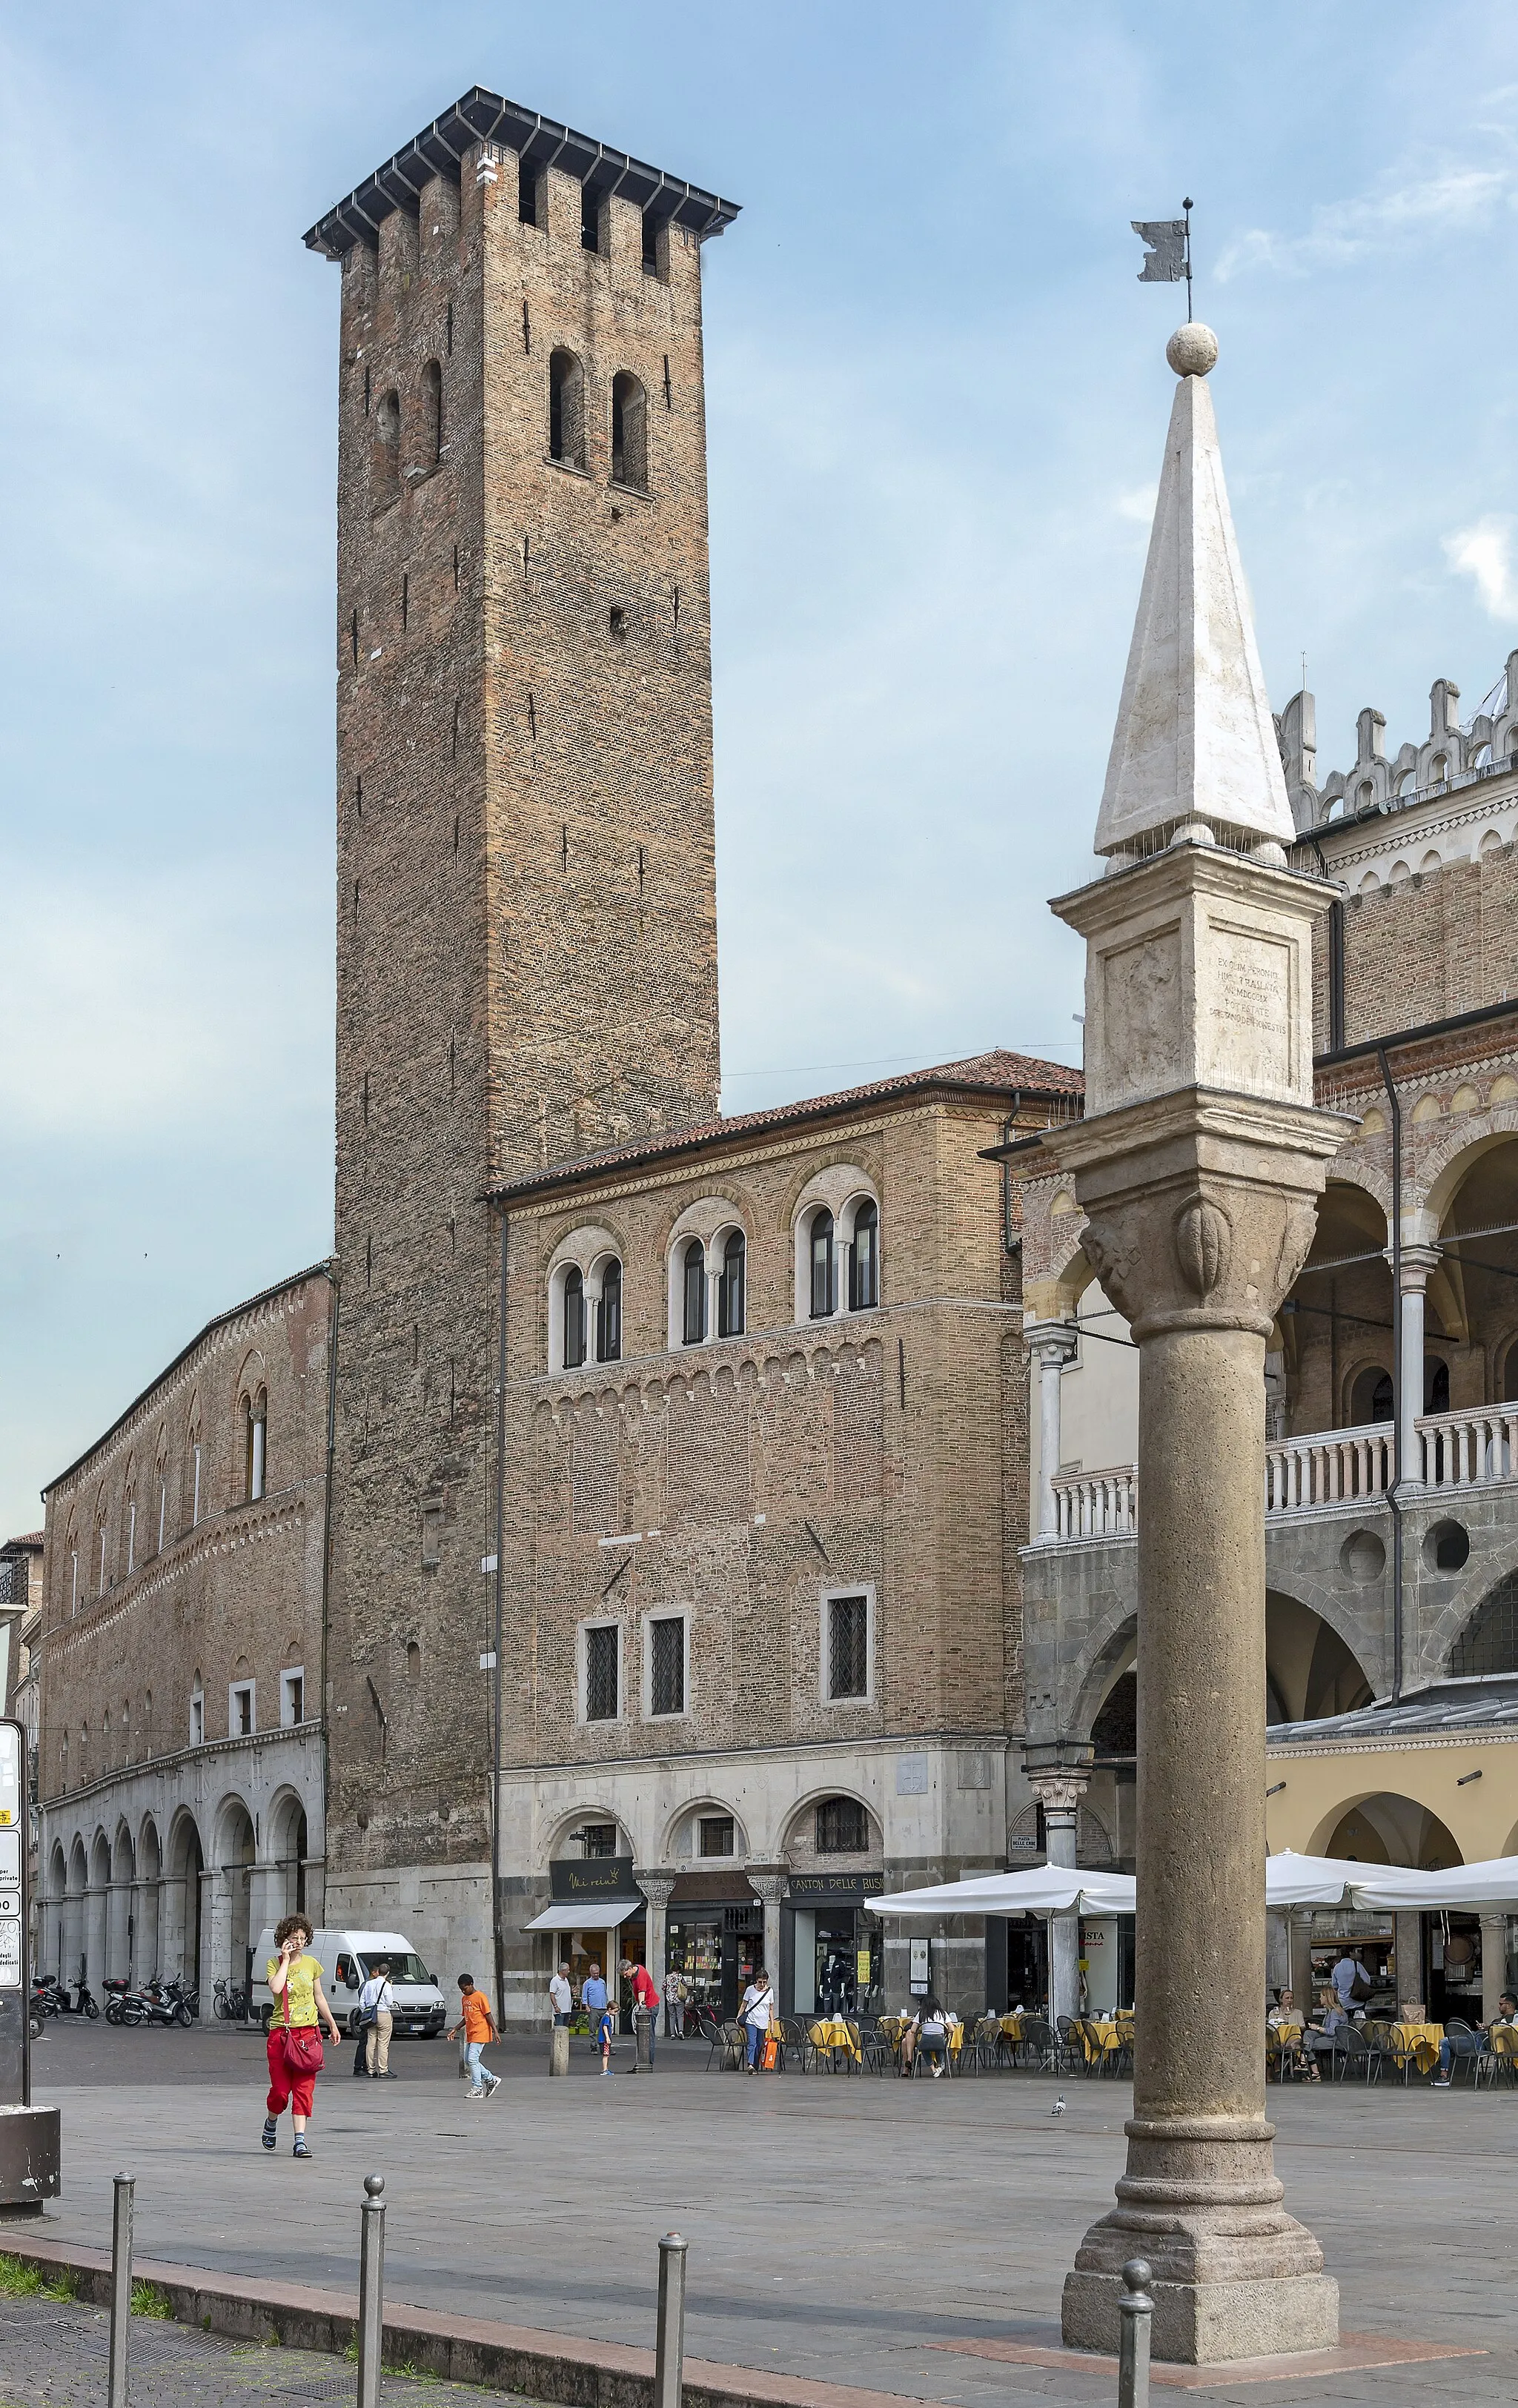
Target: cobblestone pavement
x,y
840,2229
55,2355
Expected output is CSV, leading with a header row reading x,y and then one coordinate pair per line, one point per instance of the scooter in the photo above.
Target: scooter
x,y
63,2004
115,1985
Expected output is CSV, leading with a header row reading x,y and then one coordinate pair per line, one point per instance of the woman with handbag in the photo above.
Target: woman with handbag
x,y
294,2042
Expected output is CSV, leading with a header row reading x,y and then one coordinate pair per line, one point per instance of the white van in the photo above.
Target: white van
x,y
345,1959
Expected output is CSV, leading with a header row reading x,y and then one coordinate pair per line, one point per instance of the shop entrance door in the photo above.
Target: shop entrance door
x,y
1452,1957
1027,1967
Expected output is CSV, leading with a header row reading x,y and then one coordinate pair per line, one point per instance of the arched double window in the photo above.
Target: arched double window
x,y
629,432
565,409
837,1246
584,1303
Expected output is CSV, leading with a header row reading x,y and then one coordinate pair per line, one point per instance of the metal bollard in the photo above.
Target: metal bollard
x,y
371,2291
1136,2312
669,2362
121,2288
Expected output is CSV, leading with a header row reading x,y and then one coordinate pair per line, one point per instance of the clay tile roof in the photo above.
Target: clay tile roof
x,y
30,1540
1000,1073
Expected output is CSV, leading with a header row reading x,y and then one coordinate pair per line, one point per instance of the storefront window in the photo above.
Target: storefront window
x,y
836,1960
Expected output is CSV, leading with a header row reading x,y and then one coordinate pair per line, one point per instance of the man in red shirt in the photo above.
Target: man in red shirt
x,y
645,1996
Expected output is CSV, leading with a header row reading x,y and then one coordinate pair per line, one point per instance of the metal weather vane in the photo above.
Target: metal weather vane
x,y
1166,250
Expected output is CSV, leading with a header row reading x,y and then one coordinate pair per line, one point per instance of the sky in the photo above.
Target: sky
x,y
937,398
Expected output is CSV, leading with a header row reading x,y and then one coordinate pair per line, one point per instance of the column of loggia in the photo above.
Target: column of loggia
x,y
1417,1262
1052,1346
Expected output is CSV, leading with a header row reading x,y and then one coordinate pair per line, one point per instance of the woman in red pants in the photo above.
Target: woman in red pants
x,y
295,2042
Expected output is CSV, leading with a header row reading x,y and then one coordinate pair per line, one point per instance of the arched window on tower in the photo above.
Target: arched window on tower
x,y
731,1299
432,415
256,1444
574,1319
693,1293
608,1314
865,1259
565,409
629,432
385,452
824,1292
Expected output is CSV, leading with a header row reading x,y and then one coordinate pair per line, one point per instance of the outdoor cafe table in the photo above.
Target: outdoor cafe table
x,y
1418,2042
834,2034
1109,2035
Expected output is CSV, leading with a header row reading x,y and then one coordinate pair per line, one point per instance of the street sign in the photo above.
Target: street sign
x,y
10,1774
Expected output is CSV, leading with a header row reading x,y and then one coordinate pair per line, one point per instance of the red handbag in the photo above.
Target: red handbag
x,y
303,2052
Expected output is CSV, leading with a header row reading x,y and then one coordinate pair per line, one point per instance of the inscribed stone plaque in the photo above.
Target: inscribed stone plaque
x,y
911,1776
1247,983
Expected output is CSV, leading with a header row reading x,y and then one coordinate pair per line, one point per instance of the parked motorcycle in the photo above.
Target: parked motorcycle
x,y
55,1997
115,1985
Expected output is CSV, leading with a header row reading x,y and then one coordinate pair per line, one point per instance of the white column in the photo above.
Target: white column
x,y
1052,1345
1494,1962
258,1456
1060,1798
1417,1262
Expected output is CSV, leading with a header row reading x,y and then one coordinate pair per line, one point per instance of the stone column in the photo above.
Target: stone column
x,y
1493,1961
1301,1957
1060,1796
1052,1345
1417,1262
1407,1931
657,1888
769,1882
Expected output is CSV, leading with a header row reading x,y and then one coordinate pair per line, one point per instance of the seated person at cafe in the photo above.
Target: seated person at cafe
x,y
927,2030
1456,2044
1286,2018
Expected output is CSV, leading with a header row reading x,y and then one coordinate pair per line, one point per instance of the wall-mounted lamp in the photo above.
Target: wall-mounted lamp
x,y
1275,1789
1469,1776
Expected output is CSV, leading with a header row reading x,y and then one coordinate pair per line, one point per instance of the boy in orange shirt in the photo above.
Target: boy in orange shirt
x,y
479,2027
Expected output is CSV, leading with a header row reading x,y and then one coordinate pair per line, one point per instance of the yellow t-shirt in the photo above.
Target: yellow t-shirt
x,y
295,2004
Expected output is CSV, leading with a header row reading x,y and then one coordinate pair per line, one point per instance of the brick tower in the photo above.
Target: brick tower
x,y
526,922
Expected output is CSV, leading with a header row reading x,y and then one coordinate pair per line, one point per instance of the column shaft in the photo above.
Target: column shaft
x,y
1410,1387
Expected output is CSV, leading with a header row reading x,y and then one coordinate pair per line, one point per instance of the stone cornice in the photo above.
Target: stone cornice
x,y
174,1761
1388,1742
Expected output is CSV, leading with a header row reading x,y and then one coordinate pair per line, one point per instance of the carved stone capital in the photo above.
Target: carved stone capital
x,y
657,1886
767,1881
1201,1207
1418,1264
1051,1341
1058,1790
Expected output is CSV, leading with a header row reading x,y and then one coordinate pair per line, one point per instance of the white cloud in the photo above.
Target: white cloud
x,y
1392,212
1484,552
1137,503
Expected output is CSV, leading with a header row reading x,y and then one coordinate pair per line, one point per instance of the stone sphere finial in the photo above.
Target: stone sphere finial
x,y
374,2184
1193,350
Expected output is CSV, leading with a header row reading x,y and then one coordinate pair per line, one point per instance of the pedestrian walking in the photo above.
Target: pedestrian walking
x,y
479,2026
377,2008
754,2015
560,1996
675,2004
295,2039
593,1998
645,1996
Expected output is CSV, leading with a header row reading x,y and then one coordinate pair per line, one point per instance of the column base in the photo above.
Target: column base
x,y
1206,2323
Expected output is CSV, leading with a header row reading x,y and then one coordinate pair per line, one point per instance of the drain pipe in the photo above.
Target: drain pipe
x,y
1393,1494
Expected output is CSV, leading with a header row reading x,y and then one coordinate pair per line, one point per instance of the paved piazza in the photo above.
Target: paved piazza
x,y
839,2228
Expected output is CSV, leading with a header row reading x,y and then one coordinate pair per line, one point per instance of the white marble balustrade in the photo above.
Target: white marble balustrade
x,y
1328,1467
1094,1504
1460,1450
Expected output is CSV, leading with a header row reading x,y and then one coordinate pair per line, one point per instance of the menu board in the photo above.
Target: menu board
x,y
10,1776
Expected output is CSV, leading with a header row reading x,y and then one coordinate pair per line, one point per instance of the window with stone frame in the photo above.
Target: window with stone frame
x,y
608,1314
823,1286
847,1646
667,1663
603,1673
842,1827
574,1319
597,1839
714,1835
693,1292
732,1303
565,409
629,432
865,1259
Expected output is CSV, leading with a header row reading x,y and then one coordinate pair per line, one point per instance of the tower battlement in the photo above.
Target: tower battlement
x,y
539,143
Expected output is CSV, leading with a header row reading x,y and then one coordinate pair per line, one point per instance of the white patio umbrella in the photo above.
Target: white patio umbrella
x,y
1043,1889
1493,1882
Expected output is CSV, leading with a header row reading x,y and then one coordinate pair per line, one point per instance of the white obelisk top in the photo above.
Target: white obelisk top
x,y
1195,738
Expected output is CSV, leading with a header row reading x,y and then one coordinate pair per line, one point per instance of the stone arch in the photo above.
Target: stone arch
x,y
51,1951
1382,1827
233,1851
289,1844
182,1917
563,1830
1312,1668
97,1909
681,1844
1486,1641
121,1909
799,1832
74,1932
1445,1163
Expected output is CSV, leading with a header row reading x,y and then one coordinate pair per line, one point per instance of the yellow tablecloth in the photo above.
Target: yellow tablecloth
x,y
1418,2041
1012,2027
1109,2035
833,2035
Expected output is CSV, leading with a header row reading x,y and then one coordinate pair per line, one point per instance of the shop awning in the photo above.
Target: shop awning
x,y
586,1915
